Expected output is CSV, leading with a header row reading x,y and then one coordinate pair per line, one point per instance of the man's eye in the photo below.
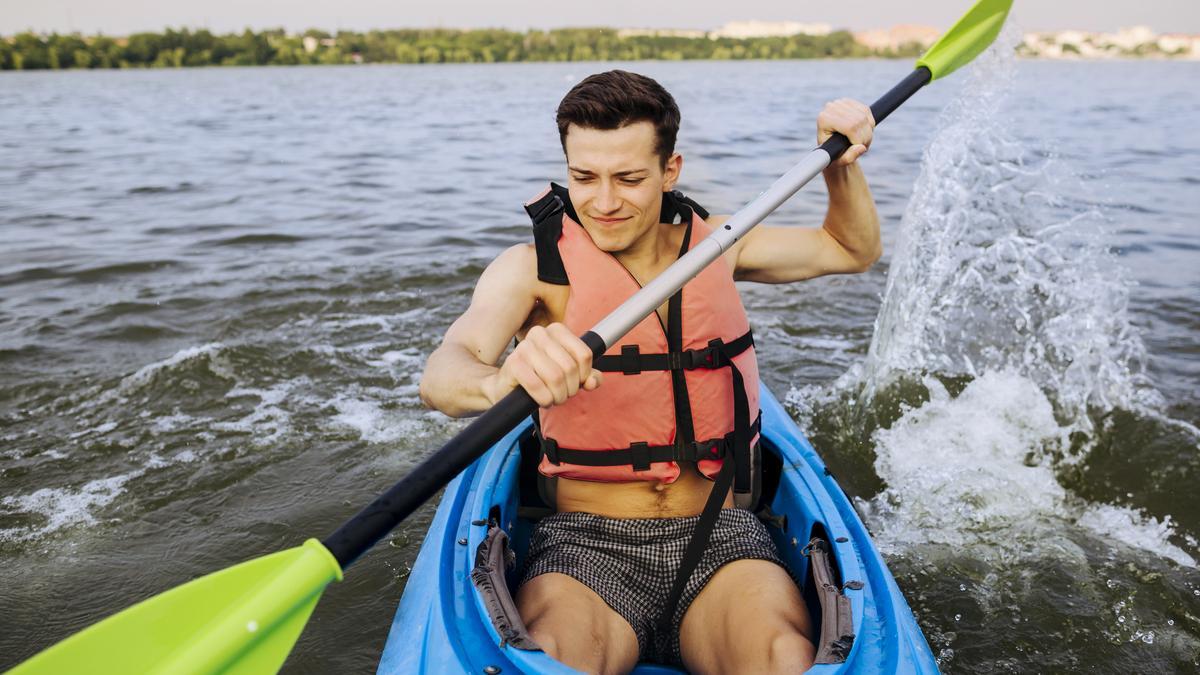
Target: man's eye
x,y
583,179
632,181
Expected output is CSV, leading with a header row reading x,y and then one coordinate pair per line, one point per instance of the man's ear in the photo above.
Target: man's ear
x,y
671,171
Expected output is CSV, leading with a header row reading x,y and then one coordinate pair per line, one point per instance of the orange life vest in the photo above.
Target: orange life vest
x,y
686,391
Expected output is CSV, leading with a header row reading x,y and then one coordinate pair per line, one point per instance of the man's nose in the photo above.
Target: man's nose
x,y
607,200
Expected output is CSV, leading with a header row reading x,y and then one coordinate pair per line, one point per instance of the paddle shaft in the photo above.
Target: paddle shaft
x,y
361,532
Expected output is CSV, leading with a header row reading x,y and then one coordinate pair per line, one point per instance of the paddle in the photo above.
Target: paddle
x,y
245,619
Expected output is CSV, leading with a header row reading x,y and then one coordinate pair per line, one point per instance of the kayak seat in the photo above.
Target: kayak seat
x,y
497,558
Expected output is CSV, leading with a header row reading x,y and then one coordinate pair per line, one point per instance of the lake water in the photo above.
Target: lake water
x,y
218,288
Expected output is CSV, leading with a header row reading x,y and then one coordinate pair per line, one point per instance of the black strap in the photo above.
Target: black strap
x,y
683,406
736,472
716,355
696,545
641,455
743,482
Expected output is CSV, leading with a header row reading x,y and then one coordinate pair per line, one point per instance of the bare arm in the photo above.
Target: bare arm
x,y
848,241
461,377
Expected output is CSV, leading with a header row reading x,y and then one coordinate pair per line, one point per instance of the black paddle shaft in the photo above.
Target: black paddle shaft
x,y
373,523
838,144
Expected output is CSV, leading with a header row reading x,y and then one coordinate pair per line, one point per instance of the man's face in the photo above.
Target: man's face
x,y
616,182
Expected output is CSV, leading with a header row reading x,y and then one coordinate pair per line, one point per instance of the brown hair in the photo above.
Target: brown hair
x,y
616,98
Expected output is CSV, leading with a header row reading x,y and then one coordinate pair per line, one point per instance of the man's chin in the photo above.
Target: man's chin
x,y
606,242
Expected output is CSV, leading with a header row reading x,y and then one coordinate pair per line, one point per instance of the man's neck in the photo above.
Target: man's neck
x,y
648,256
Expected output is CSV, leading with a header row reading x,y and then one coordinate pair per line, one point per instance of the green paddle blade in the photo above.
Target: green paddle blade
x,y
968,37
240,620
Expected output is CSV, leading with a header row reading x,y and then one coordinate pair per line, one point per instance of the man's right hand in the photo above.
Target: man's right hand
x,y
551,363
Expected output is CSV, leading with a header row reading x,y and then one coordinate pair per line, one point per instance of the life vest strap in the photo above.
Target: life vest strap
x,y
641,455
718,354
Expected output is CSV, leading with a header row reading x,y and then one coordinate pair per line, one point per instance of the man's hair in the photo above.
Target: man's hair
x,y
616,98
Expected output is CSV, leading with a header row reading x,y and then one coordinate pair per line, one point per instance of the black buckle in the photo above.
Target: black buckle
x,y
639,456
713,448
712,356
545,207
550,450
631,360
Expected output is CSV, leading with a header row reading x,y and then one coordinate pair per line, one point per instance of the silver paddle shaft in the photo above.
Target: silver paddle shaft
x,y
639,306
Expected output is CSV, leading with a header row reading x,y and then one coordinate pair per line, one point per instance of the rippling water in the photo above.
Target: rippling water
x,y
218,288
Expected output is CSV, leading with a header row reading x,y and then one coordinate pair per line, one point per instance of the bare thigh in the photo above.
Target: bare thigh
x,y
749,618
574,625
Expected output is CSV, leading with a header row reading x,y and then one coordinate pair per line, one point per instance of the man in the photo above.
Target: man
x,y
597,594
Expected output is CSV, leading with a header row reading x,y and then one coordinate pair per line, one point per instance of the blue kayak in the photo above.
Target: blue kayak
x,y
447,624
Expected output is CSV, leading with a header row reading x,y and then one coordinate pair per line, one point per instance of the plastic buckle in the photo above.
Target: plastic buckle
x,y
639,455
631,360
714,354
552,204
550,449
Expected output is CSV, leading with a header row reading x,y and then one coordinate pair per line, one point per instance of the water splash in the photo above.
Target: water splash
x,y
1004,336
996,268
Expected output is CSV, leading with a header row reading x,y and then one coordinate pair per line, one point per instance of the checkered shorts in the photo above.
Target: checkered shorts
x,y
631,564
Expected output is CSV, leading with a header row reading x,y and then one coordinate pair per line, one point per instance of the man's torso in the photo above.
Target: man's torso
x,y
639,499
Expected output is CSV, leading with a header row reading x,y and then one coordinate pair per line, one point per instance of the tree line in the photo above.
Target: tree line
x,y
187,48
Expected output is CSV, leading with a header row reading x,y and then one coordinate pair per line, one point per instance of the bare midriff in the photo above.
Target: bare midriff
x,y
640,499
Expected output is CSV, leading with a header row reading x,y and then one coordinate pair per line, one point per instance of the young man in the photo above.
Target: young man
x,y
634,452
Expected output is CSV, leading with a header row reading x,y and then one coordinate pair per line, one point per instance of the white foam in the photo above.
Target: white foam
x,y
269,421
958,465
977,468
62,507
373,423
1135,529
101,429
146,373
168,423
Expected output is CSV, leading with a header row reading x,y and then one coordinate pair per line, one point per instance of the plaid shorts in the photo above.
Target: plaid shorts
x,y
631,564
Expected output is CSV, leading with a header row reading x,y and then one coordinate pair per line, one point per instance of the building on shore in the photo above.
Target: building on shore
x,y
740,30
896,37
1135,41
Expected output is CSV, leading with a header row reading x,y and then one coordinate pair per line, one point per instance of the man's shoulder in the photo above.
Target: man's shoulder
x,y
518,259
515,268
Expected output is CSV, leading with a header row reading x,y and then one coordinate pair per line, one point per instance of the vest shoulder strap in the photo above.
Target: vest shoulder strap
x,y
546,214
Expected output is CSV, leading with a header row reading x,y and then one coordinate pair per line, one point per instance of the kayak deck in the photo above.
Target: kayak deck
x,y
442,624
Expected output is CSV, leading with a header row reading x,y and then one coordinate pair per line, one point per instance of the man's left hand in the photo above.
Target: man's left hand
x,y
853,120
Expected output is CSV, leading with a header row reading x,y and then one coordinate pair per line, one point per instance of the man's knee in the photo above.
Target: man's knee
x,y
545,640
790,652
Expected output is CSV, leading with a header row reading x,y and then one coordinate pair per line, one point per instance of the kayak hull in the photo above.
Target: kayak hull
x,y
442,626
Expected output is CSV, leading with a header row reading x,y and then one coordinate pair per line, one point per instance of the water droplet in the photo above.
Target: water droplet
x,y
1110,583
1170,622
252,626
962,587
1196,592
1148,638
1120,619
958,617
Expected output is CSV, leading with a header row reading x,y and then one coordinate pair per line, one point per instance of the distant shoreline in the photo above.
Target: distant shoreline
x,y
186,48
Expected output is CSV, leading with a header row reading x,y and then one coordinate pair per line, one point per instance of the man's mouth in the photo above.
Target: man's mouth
x,y
609,221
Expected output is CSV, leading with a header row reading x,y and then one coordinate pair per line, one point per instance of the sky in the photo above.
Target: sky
x,y
119,17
